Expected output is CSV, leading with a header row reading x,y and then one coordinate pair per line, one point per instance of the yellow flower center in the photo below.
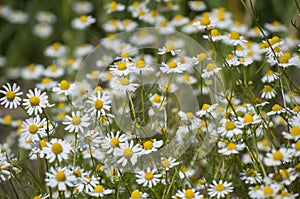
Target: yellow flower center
x,y
248,118
98,104
186,78
297,146
270,73
190,115
31,67
267,89
231,146
56,46
57,148
77,173
214,33
265,143
46,80
285,194
64,85
210,67
124,81
156,99
165,162
113,5
172,64
251,173
274,40
234,35
121,66
189,193
295,131
268,190
169,47
140,64
10,95
205,21
178,17
136,194
124,55
60,176
149,176
33,128
114,142
148,145
201,56
128,153
42,143
285,58
276,107
37,197
229,125
285,173
88,139
83,18
53,68
98,189
76,120
220,187
230,56
277,155
34,100
7,119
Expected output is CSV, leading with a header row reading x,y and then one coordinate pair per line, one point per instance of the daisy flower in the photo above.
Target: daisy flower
x,y
34,128
123,84
60,178
168,163
179,20
76,122
36,101
210,70
285,194
268,92
206,109
121,68
172,67
270,76
188,194
276,110
141,66
56,50
234,39
168,48
111,141
127,152
220,189
54,71
251,176
64,87
83,50
269,191
12,97
114,7
46,84
88,139
214,35
294,133
100,191
276,157
5,173
151,146
37,149
42,30
231,148
100,103
276,26
148,178
57,149
32,71
197,5
86,182
190,118
204,23
136,194
230,129
82,7
45,17
82,22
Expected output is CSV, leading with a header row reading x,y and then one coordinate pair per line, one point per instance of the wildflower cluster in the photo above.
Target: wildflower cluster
x,y
148,113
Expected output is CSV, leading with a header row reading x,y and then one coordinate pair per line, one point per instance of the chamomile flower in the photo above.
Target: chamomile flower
x,y
128,152
168,48
112,141
56,50
270,76
251,176
141,67
148,178
276,110
210,69
62,178
234,39
32,71
121,68
11,97
214,35
123,84
37,149
294,133
42,30
168,163
276,26
172,67
64,87
151,146
57,149
268,92
46,17
34,128
5,173
88,139
197,5
54,71
136,194
100,103
179,20
36,101
269,191
231,148
82,22
188,194
204,23
76,122
82,7
114,7
190,118
83,50
206,109
230,129
100,191
285,194
219,189
276,157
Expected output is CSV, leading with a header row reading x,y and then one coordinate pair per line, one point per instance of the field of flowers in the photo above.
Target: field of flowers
x,y
149,99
